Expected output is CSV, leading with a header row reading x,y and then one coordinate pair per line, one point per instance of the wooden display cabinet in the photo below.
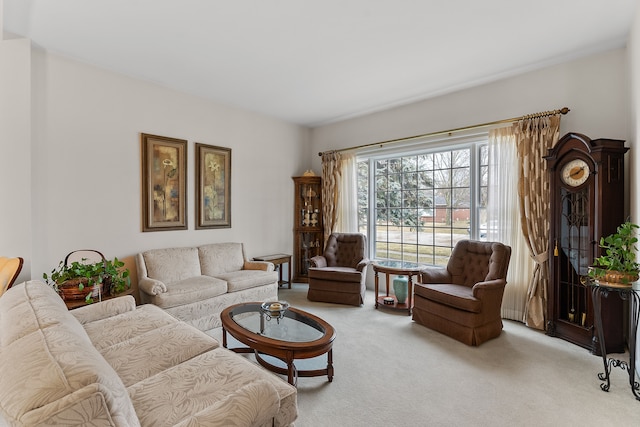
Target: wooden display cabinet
x,y
308,239
587,202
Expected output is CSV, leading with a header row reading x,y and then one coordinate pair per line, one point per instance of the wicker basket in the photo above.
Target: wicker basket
x,y
70,290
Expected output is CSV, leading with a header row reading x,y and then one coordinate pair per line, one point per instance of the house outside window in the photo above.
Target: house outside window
x,y
415,206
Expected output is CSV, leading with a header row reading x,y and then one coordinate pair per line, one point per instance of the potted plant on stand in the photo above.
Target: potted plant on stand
x,y
618,266
78,280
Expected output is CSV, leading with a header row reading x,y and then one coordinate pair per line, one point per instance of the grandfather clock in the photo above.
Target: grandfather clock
x,y
587,202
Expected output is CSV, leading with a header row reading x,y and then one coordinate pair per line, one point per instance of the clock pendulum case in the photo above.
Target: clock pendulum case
x,y
586,182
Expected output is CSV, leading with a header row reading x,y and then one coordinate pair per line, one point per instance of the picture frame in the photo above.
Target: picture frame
x,y
164,183
213,186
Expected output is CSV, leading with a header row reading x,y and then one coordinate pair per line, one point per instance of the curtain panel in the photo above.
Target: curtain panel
x,y
331,172
503,208
534,137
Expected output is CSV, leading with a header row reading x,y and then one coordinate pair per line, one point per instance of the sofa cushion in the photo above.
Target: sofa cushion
x,y
191,387
220,258
458,296
245,279
254,404
156,351
29,307
110,331
186,291
172,264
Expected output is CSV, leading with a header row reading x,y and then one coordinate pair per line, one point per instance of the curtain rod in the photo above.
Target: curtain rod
x,y
564,110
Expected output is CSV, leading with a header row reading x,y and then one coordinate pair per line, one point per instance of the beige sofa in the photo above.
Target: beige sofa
x,y
195,284
115,364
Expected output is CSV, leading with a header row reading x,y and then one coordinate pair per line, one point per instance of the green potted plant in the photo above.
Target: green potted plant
x,y
85,281
618,265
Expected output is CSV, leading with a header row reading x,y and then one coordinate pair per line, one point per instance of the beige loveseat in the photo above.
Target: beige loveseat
x,y
195,284
115,364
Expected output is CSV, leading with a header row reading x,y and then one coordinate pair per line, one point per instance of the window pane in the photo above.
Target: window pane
x,y
425,179
442,178
409,164
410,181
461,198
461,177
460,158
484,154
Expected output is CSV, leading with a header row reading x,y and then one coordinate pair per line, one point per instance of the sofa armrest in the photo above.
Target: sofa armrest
x,y
104,309
152,286
318,261
363,264
254,404
435,275
259,265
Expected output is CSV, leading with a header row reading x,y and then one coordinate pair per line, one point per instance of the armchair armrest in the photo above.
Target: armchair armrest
x,y
490,293
435,275
363,264
104,309
151,286
258,265
483,289
318,261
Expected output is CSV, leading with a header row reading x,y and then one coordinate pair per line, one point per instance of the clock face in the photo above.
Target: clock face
x,y
575,172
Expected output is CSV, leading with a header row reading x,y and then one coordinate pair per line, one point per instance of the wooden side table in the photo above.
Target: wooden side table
x,y
278,260
71,304
403,268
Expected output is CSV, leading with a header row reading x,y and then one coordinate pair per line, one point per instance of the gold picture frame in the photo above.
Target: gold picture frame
x,y
213,186
164,183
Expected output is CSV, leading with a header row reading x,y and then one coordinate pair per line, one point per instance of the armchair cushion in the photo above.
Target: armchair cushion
x,y
336,274
457,296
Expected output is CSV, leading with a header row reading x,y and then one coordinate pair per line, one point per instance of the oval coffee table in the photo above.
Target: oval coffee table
x,y
296,335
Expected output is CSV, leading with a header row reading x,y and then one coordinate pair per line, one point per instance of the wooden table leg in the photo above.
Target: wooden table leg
x,y
330,365
376,285
289,276
410,294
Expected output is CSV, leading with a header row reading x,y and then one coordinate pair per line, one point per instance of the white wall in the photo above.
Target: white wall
x,y
633,48
15,151
86,164
594,88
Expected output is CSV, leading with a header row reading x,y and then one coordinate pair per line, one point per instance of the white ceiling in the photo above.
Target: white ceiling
x,y
317,61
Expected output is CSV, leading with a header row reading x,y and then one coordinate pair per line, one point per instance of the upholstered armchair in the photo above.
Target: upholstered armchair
x,y
339,274
9,270
463,299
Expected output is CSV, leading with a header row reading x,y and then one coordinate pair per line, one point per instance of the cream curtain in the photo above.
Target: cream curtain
x,y
534,136
503,208
347,207
331,173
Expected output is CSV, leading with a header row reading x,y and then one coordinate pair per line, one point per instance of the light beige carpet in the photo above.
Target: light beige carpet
x,y
390,371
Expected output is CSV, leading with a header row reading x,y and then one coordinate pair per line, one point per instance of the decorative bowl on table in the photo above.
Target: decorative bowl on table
x,y
274,309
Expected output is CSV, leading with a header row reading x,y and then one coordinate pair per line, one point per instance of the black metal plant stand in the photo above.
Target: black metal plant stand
x,y
599,290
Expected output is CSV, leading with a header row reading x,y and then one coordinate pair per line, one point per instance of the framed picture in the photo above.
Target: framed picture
x,y
164,183
213,186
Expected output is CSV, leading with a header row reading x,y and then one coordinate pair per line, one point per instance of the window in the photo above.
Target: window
x,y
416,206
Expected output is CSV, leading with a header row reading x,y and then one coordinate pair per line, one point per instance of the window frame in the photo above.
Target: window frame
x,y
472,142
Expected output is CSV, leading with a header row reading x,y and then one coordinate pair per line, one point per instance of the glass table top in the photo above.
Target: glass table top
x,y
291,326
403,265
